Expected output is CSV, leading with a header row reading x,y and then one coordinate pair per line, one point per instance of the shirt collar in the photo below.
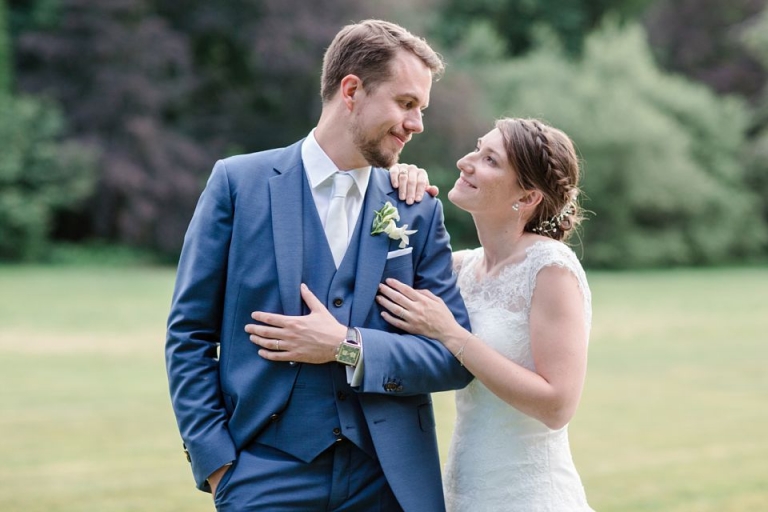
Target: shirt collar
x,y
320,168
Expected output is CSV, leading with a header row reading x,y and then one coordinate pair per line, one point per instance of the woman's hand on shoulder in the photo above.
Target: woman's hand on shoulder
x,y
411,182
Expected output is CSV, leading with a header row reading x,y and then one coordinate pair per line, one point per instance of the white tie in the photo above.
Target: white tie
x,y
336,224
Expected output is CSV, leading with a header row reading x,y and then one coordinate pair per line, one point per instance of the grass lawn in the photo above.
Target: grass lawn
x,y
673,417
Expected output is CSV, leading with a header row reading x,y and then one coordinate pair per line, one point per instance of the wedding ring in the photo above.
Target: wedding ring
x,y
277,346
402,172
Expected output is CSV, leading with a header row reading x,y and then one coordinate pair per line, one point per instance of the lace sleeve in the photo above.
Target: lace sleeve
x,y
458,260
553,253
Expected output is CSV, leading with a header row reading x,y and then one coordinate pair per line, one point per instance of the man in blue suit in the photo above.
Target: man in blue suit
x,y
290,391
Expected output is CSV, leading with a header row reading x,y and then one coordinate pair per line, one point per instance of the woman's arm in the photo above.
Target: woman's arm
x,y
558,344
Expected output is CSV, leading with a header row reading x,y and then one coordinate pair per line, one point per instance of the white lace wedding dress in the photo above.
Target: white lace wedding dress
x,y
501,459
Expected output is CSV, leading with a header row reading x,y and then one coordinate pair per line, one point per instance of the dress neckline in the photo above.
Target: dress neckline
x,y
480,253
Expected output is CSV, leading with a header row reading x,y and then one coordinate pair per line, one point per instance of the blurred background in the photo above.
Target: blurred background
x,y
112,114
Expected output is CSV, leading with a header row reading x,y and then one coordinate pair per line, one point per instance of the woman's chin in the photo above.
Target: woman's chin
x,y
455,197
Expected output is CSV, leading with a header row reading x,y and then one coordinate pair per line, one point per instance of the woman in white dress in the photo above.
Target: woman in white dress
x,y
530,309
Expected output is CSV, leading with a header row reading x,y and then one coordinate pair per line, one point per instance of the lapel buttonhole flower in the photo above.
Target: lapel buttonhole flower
x,y
384,222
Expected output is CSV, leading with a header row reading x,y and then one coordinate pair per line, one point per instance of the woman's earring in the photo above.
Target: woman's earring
x,y
516,207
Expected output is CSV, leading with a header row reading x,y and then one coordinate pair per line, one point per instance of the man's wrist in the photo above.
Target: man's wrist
x,y
348,351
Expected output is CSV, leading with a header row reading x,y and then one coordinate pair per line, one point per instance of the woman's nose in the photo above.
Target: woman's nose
x,y
463,164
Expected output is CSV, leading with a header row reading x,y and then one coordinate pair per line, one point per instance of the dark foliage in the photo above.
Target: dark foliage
x,y
702,40
163,88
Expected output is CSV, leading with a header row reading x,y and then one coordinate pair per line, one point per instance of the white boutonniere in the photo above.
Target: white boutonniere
x,y
384,222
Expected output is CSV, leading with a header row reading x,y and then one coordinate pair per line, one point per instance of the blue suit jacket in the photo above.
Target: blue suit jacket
x,y
243,253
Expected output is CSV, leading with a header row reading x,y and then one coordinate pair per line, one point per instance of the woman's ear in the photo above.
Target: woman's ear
x,y
530,199
351,86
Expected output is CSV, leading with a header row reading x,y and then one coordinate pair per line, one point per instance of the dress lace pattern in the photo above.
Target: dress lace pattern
x,y
501,459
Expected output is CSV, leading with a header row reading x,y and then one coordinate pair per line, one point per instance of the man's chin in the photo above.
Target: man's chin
x,y
382,160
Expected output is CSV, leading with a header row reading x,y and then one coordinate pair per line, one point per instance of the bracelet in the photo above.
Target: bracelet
x,y
460,353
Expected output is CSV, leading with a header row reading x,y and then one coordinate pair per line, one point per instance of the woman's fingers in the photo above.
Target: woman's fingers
x,y
397,322
392,306
411,182
401,288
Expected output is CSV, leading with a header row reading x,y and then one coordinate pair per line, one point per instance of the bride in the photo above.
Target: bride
x,y
530,308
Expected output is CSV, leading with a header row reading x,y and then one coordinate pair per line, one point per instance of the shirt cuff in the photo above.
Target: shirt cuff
x,y
355,373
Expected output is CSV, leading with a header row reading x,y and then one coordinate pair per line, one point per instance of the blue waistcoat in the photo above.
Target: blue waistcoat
x,y
323,409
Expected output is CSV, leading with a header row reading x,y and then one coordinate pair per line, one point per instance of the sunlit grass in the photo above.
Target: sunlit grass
x,y
673,416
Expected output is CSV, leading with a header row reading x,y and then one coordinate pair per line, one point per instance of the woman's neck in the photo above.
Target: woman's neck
x,y
503,241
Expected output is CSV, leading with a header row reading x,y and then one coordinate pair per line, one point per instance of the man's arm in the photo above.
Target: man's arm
x,y
194,330
394,363
418,364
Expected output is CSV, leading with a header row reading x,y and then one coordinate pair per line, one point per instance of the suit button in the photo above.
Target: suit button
x,y
292,363
393,386
274,418
341,396
338,302
336,431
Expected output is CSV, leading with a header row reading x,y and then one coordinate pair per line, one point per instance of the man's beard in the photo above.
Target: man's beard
x,y
371,150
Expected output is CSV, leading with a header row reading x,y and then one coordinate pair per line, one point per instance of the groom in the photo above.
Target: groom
x,y
290,391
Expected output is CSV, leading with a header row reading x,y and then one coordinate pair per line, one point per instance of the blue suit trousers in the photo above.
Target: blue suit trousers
x,y
341,479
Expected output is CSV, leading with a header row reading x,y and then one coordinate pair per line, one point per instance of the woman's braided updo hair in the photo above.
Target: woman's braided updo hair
x,y
545,160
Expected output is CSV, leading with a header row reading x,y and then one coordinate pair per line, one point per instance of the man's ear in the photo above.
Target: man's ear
x,y
351,87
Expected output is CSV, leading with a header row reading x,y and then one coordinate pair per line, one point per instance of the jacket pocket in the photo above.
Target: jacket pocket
x,y
426,417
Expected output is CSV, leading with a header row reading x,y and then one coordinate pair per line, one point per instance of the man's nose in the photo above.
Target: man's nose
x,y
414,123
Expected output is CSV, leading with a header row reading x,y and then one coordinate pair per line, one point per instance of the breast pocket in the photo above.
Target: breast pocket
x,y
400,268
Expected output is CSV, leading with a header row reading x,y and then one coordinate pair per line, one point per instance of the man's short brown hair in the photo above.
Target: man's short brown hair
x,y
365,49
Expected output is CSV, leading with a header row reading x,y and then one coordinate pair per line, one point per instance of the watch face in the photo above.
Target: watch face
x,y
348,354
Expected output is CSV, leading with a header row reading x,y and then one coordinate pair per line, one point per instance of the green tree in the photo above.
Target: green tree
x,y
661,154
39,175
517,21
756,158
5,51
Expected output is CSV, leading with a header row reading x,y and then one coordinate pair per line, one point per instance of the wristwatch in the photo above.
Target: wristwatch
x,y
349,349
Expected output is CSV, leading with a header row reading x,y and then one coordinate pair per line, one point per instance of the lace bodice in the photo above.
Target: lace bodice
x,y
501,459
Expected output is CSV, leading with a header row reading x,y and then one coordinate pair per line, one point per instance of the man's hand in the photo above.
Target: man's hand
x,y
311,338
215,478
411,182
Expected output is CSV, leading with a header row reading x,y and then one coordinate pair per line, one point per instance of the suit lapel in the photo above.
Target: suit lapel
x,y
372,256
286,198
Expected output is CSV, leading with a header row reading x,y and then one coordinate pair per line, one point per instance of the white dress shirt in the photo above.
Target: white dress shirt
x,y
320,170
